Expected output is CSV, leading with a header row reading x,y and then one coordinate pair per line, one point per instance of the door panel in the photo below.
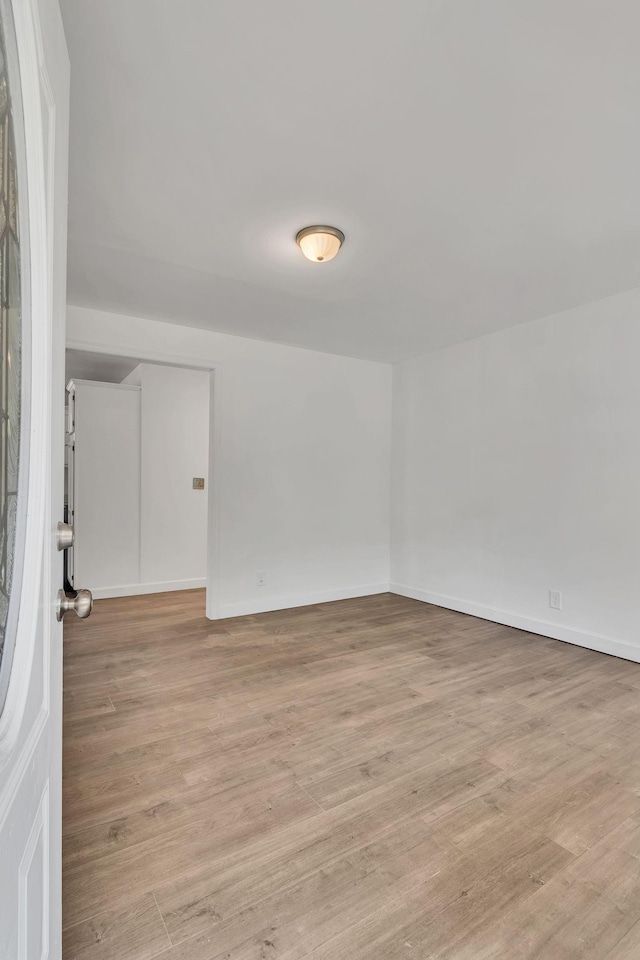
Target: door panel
x,y
30,723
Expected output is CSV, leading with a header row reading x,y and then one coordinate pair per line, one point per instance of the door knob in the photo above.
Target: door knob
x,y
81,602
64,536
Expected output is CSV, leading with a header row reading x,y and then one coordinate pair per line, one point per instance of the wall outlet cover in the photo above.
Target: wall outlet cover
x,y
555,599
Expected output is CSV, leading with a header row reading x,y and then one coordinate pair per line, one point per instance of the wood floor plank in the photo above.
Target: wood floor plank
x,y
372,778
135,932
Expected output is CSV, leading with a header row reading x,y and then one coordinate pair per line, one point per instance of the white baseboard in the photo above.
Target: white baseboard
x,y
137,589
581,638
247,607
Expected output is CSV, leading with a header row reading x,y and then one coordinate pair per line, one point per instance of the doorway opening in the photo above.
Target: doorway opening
x,y
139,487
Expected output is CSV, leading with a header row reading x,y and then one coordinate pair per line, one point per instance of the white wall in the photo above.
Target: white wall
x,y
517,470
174,450
303,470
106,482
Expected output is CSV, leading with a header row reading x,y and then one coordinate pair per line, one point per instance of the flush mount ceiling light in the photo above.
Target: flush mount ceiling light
x,y
320,243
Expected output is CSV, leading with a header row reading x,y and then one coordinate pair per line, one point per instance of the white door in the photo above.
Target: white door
x,y
33,154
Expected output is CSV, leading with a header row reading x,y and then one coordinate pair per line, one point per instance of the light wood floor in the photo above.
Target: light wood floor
x,y
371,780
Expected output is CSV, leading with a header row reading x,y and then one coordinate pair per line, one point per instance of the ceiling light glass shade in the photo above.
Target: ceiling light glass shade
x,y
320,243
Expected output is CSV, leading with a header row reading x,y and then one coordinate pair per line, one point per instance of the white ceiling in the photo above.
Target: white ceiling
x,y
483,159
81,365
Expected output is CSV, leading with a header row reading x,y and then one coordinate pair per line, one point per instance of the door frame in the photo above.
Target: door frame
x,y
215,424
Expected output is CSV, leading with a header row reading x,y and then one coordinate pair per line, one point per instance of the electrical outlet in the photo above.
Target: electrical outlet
x,y
261,578
555,599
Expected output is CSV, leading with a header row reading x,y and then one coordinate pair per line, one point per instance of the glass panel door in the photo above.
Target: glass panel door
x,y
10,365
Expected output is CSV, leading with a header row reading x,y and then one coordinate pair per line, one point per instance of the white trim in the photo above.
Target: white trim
x,y
545,628
137,589
214,560
248,607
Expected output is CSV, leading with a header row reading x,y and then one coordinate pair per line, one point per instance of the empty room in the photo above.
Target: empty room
x,y
320,459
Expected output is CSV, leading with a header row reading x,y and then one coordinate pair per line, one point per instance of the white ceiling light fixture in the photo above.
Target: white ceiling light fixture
x,y
320,243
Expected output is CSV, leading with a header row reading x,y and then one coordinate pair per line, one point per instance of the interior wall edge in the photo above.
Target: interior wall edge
x,y
544,628
299,472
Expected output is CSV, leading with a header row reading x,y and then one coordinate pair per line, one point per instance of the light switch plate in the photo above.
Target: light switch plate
x,y
198,483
